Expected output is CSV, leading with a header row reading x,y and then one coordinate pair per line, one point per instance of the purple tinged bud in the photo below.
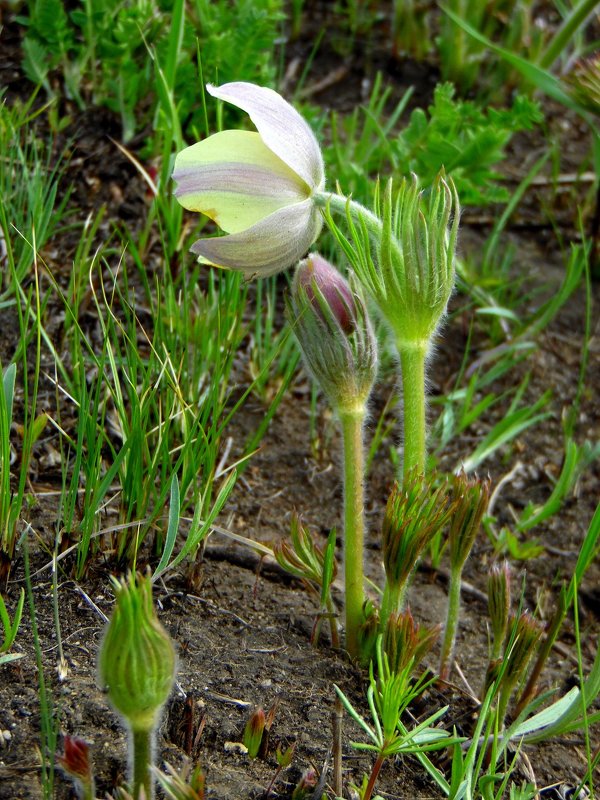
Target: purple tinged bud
x,y
499,604
337,341
306,784
316,272
76,761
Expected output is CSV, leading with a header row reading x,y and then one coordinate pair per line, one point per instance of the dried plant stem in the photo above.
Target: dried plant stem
x,y
412,360
352,431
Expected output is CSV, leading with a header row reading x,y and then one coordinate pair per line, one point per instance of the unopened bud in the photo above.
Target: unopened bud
x,y
305,785
471,497
406,642
414,514
332,327
322,282
254,732
77,764
137,658
522,644
583,82
499,603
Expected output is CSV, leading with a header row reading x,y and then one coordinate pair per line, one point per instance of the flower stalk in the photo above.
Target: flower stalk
x,y
331,324
402,253
354,522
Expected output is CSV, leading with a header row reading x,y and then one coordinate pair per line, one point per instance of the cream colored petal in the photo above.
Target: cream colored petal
x,y
272,245
281,127
235,179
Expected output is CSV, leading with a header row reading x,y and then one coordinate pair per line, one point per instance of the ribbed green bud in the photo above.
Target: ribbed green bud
x,y
137,658
336,338
405,642
254,732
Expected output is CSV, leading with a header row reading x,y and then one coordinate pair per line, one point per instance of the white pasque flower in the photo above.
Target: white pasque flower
x,y
258,187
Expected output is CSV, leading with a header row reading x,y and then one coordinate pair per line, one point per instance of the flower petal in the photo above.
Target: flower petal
x,y
235,179
280,126
272,245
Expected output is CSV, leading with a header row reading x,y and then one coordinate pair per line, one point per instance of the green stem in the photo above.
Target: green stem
x,y
352,432
341,204
562,36
141,753
412,361
392,602
452,617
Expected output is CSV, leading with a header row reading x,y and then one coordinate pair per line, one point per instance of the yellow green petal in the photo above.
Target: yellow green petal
x,y
233,178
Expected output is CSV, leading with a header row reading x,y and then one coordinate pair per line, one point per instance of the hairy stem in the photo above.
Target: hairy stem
x,y
141,756
447,654
412,360
341,204
392,601
352,431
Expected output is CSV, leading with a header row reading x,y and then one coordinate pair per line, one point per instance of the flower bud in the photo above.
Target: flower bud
x,y
521,646
583,82
77,764
305,786
137,658
406,642
471,501
254,732
332,327
499,604
414,514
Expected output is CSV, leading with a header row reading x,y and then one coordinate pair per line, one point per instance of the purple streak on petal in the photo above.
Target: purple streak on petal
x,y
272,245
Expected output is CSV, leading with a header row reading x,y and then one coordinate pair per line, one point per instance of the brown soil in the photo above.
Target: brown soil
x,y
242,628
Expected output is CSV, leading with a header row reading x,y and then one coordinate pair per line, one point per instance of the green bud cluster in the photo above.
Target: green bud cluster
x,y
137,658
414,514
407,261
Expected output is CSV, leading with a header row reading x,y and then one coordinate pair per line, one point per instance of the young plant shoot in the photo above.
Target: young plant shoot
x,y
415,513
331,324
471,498
137,667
